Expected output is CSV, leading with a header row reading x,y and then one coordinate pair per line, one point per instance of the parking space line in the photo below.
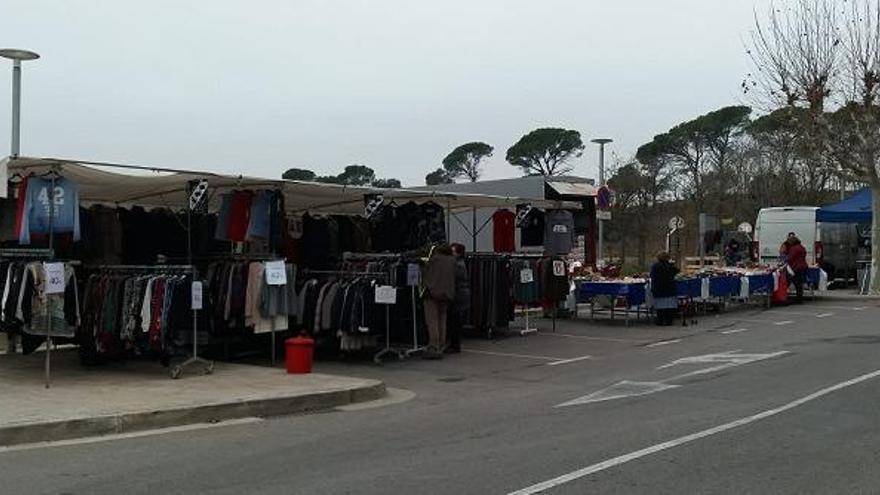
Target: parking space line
x,y
572,360
587,337
783,323
511,354
824,315
737,330
664,342
660,447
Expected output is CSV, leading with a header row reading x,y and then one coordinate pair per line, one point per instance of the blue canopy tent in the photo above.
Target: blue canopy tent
x,y
854,209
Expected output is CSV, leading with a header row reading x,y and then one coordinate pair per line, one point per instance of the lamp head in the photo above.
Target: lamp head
x,y
16,54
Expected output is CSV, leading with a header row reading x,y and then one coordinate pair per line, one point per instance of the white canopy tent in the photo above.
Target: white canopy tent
x,y
158,187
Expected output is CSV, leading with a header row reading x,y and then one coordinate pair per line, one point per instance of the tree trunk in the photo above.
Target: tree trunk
x,y
875,240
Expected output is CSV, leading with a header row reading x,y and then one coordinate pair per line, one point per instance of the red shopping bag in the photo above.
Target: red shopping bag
x,y
780,294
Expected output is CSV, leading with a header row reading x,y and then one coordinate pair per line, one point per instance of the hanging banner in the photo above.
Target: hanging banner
x,y
522,212
372,204
197,198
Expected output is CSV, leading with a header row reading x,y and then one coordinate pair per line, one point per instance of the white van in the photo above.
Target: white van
x,y
773,226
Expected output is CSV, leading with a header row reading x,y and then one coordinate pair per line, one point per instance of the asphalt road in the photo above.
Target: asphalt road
x,y
751,401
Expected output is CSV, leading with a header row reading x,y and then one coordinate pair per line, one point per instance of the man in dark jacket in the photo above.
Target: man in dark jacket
x,y
459,310
663,289
797,261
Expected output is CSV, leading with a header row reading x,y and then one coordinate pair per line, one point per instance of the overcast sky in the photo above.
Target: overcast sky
x,y
260,86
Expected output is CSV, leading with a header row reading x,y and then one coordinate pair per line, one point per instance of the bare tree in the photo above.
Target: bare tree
x,y
824,55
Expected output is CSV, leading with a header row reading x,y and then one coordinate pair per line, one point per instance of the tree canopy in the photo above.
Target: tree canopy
x,y
546,151
464,161
298,174
437,177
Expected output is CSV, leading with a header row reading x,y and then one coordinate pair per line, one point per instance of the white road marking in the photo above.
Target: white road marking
x,y
664,342
738,330
845,308
620,390
124,436
616,461
783,323
824,315
510,354
572,360
728,359
586,337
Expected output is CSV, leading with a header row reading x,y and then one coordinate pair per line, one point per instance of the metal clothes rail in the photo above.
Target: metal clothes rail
x,y
176,370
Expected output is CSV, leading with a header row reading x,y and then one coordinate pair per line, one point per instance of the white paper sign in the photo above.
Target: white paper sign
x,y
275,273
558,268
54,277
386,294
526,276
196,295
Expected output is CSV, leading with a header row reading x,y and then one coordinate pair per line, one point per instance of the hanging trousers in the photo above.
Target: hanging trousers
x,y
435,318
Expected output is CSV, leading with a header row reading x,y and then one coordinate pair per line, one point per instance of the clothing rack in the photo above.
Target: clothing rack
x,y
44,255
377,358
176,370
416,348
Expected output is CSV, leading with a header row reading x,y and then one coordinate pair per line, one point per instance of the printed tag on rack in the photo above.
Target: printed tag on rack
x,y
196,295
558,268
54,277
413,275
526,275
275,273
386,294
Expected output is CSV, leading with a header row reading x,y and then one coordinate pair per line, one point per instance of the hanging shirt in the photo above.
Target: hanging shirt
x,y
239,215
35,214
221,232
558,232
260,219
504,231
532,231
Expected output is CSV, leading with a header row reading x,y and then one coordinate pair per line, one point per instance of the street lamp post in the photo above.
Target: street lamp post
x,y
601,241
17,56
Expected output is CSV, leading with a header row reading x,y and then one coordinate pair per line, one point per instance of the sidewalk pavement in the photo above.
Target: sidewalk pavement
x,y
139,395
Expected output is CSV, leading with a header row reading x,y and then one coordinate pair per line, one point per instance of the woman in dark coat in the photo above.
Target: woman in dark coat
x,y
663,289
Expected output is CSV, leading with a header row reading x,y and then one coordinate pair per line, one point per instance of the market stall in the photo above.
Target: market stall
x,y
269,256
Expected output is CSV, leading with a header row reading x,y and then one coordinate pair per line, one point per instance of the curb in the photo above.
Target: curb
x,y
210,413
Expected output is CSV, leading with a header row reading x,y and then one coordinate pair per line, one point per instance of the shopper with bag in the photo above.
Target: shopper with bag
x,y
797,262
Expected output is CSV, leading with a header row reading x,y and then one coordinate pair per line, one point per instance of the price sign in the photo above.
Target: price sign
x,y
54,277
558,268
275,273
386,294
526,275
197,295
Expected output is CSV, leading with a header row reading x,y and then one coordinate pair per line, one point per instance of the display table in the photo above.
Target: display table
x,y
630,294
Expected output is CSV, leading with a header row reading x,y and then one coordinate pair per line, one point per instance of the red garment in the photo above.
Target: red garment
x,y
19,205
156,308
797,257
239,215
503,231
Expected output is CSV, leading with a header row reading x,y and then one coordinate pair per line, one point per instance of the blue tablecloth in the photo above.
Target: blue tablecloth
x,y
761,283
724,286
634,292
690,287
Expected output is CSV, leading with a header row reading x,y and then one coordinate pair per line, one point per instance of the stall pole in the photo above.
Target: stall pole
x,y
474,229
51,196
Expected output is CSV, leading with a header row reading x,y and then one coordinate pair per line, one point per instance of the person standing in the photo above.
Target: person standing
x,y
797,261
663,289
438,291
459,310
